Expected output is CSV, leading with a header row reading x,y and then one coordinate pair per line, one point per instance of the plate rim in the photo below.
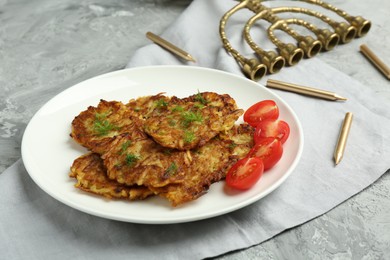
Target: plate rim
x,y
28,164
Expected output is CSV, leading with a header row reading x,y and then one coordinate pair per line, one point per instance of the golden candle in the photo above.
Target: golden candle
x,y
342,140
169,46
271,83
378,63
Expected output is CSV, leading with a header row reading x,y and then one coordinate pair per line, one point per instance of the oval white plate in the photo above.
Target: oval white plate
x,y
48,151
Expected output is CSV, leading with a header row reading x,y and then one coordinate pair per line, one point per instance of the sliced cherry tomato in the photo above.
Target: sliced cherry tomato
x,y
272,128
245,173
266,109
268,149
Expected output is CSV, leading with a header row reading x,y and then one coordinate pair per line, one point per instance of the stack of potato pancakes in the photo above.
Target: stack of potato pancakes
x,y
159,145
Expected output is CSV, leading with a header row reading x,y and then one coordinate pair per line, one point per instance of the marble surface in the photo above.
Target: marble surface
x,y
47,46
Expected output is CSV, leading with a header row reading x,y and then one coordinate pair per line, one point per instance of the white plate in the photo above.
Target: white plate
x,y
48,151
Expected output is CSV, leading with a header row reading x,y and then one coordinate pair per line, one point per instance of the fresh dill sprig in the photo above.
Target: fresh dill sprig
x,y
124,146
188,117
199,106
161,103
188,136
131,159
172,169
101,125
201,99
232,145
177,109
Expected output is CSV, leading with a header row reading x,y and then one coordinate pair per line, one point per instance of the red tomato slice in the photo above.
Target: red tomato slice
x,y
266,109
245,173
272,128
268,149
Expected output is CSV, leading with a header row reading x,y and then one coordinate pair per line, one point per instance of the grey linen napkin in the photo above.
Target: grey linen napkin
x,y
35,226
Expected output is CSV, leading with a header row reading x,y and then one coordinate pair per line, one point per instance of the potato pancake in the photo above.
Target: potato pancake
x,y
209,164
144,107
144,162
95,127
158,145
191,122
91,176
179,176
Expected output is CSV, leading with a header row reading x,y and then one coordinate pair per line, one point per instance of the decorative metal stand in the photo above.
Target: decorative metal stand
x,y
288,53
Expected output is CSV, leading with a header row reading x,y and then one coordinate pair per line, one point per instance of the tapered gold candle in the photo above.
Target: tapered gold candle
x,y
342,140
271,83
169,46
379,64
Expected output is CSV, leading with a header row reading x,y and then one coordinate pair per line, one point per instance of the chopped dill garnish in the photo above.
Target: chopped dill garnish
x,y
101,125
177,109
124,146
101,116
161,103
188,136
172,169
201,99
131,159
232,145
199,106
189,117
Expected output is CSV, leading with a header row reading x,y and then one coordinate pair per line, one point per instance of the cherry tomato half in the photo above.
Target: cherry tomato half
x,y
268,149
245,173
266,109
272,128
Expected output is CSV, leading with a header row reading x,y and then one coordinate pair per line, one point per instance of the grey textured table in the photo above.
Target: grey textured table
x,y
47,46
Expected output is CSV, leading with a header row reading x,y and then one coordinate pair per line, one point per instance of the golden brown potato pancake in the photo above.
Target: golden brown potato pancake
x,y
209,164
189,144
95,127
179,176
144,162
144,107
191,122
91,176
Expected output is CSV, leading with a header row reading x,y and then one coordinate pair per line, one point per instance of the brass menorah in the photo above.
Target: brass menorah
x,y
272,61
